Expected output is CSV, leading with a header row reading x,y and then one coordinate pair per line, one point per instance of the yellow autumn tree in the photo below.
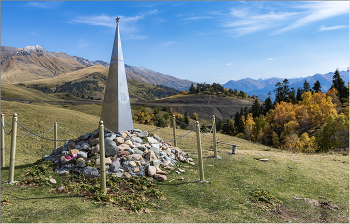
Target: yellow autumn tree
x,y
319,107
248,126
306,144
289,136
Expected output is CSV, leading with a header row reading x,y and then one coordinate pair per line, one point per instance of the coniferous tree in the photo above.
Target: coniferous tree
x,y
306,87
291,95
317,86
299,93
245,112
267,105
192,89
256,109
338,84
237,118
282,91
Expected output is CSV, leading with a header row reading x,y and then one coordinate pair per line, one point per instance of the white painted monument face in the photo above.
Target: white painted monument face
x,y
116,111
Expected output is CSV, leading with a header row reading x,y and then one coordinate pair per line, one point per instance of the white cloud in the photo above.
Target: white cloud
x,y
169,43
270,59
34,33
127,24
316,11
45,4
198,18
323,28
229,63
243,21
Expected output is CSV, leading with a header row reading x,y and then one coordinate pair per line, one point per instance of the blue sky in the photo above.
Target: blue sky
x,y
201,41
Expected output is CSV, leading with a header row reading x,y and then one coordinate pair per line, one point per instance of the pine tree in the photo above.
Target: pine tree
x,y
338,84
299,93
317,86
306,87
267,105
237,118
192,89
256,109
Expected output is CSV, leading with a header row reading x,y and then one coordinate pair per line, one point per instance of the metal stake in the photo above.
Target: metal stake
x,y
102,157
55,134
174,131
200,161
214,137
13,148
2,141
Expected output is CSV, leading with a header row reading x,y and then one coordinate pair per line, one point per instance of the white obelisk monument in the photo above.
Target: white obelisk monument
x,y
116,111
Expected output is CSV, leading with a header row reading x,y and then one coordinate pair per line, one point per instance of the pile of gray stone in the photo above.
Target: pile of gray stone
x,y
127,154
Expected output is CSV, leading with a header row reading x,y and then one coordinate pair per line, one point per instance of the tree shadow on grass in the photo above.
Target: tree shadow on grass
x,y
49,197
177,184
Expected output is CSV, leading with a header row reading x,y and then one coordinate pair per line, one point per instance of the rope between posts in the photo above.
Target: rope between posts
x,y
4,128
36,134
42,136
210,130
179,137
70,131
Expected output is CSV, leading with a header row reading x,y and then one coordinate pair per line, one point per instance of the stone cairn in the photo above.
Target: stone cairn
x,y
127,154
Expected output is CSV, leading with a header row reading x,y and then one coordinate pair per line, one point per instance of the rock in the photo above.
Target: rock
x,y
136,130
90,172
119,140
138,163
151,140
160,177
164,147
111,147
155,146
97,162
156,163
63,160
181,170
132,164
81,164
108,161
60,188
168,152
191,163
95,149
63,172
127,175
136,170
126,169
134,157
129,143
137,151
181,178
114,165
157,138
123,153
82,154
142,148
136,140
143,134
73,152
130,151
169,167
52,181
189,160
124,134
264,160
161,172
155,150
71,145
94,141
123,147
85,136
117,174
150,156
151,171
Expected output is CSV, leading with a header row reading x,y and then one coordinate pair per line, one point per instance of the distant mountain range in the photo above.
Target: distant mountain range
x,y
34,63
262,87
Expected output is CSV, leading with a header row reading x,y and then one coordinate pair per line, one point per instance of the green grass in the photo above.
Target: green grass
x,y
225,198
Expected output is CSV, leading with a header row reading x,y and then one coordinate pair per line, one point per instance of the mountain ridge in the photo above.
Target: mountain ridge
x,y
34,63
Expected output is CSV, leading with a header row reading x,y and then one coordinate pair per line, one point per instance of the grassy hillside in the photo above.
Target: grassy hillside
x,y
225,198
